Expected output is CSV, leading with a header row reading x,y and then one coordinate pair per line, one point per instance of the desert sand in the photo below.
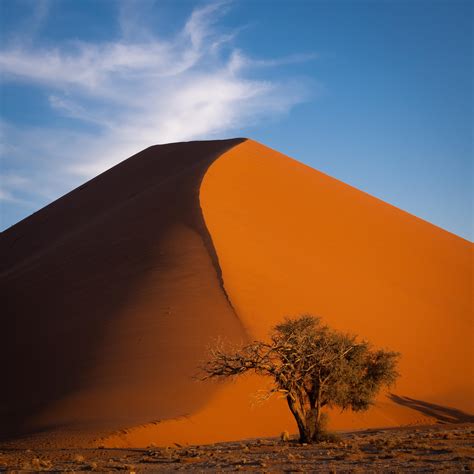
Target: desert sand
x,y
112,294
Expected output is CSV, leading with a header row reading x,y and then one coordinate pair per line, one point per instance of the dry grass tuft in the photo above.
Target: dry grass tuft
x,y
38,464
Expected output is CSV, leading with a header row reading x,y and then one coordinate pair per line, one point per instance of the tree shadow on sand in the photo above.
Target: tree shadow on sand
x,y
441,413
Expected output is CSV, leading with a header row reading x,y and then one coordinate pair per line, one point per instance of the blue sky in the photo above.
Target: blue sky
x,y
375,93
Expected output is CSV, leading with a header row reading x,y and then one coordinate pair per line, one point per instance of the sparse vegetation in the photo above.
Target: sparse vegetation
x,y
314,367
391,450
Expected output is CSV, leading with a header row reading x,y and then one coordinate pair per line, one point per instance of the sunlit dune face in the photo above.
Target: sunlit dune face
x,y
292,240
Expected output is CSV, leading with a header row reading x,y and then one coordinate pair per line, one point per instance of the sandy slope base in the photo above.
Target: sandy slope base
x,y
237,412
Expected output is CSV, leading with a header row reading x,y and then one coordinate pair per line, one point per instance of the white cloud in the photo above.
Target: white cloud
x,y
10,185
135,93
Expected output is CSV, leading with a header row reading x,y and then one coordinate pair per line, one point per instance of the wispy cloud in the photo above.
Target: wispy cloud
x,y
134,92
11,186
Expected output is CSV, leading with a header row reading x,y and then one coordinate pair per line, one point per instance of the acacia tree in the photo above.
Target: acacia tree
x,y
313,366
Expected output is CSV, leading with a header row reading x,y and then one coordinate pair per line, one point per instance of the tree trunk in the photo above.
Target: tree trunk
x,y
305,435
313,415
311,422
316,432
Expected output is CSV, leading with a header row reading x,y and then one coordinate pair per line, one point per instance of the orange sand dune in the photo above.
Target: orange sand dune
x,y
112,293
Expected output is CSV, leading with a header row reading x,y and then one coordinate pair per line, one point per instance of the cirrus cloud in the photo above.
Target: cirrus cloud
x,y
131,93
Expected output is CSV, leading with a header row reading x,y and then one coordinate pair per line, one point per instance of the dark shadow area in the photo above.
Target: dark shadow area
x,y
439,412
68,271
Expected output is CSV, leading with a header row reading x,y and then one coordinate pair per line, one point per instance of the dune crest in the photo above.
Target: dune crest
x,y
118,287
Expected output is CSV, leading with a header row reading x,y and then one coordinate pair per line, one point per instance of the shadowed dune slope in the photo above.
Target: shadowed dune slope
x,y
110,296
292,240
113,292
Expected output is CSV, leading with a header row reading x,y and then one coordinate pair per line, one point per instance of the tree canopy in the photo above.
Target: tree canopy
x,y
314,366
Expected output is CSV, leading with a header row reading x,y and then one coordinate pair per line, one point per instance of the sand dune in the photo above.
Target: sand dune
x,y
110,296
112,293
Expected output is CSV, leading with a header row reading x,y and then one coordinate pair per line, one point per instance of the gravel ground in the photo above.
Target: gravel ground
x,y
418,449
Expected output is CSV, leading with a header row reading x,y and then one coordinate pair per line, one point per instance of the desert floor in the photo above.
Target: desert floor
x,y
435,448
